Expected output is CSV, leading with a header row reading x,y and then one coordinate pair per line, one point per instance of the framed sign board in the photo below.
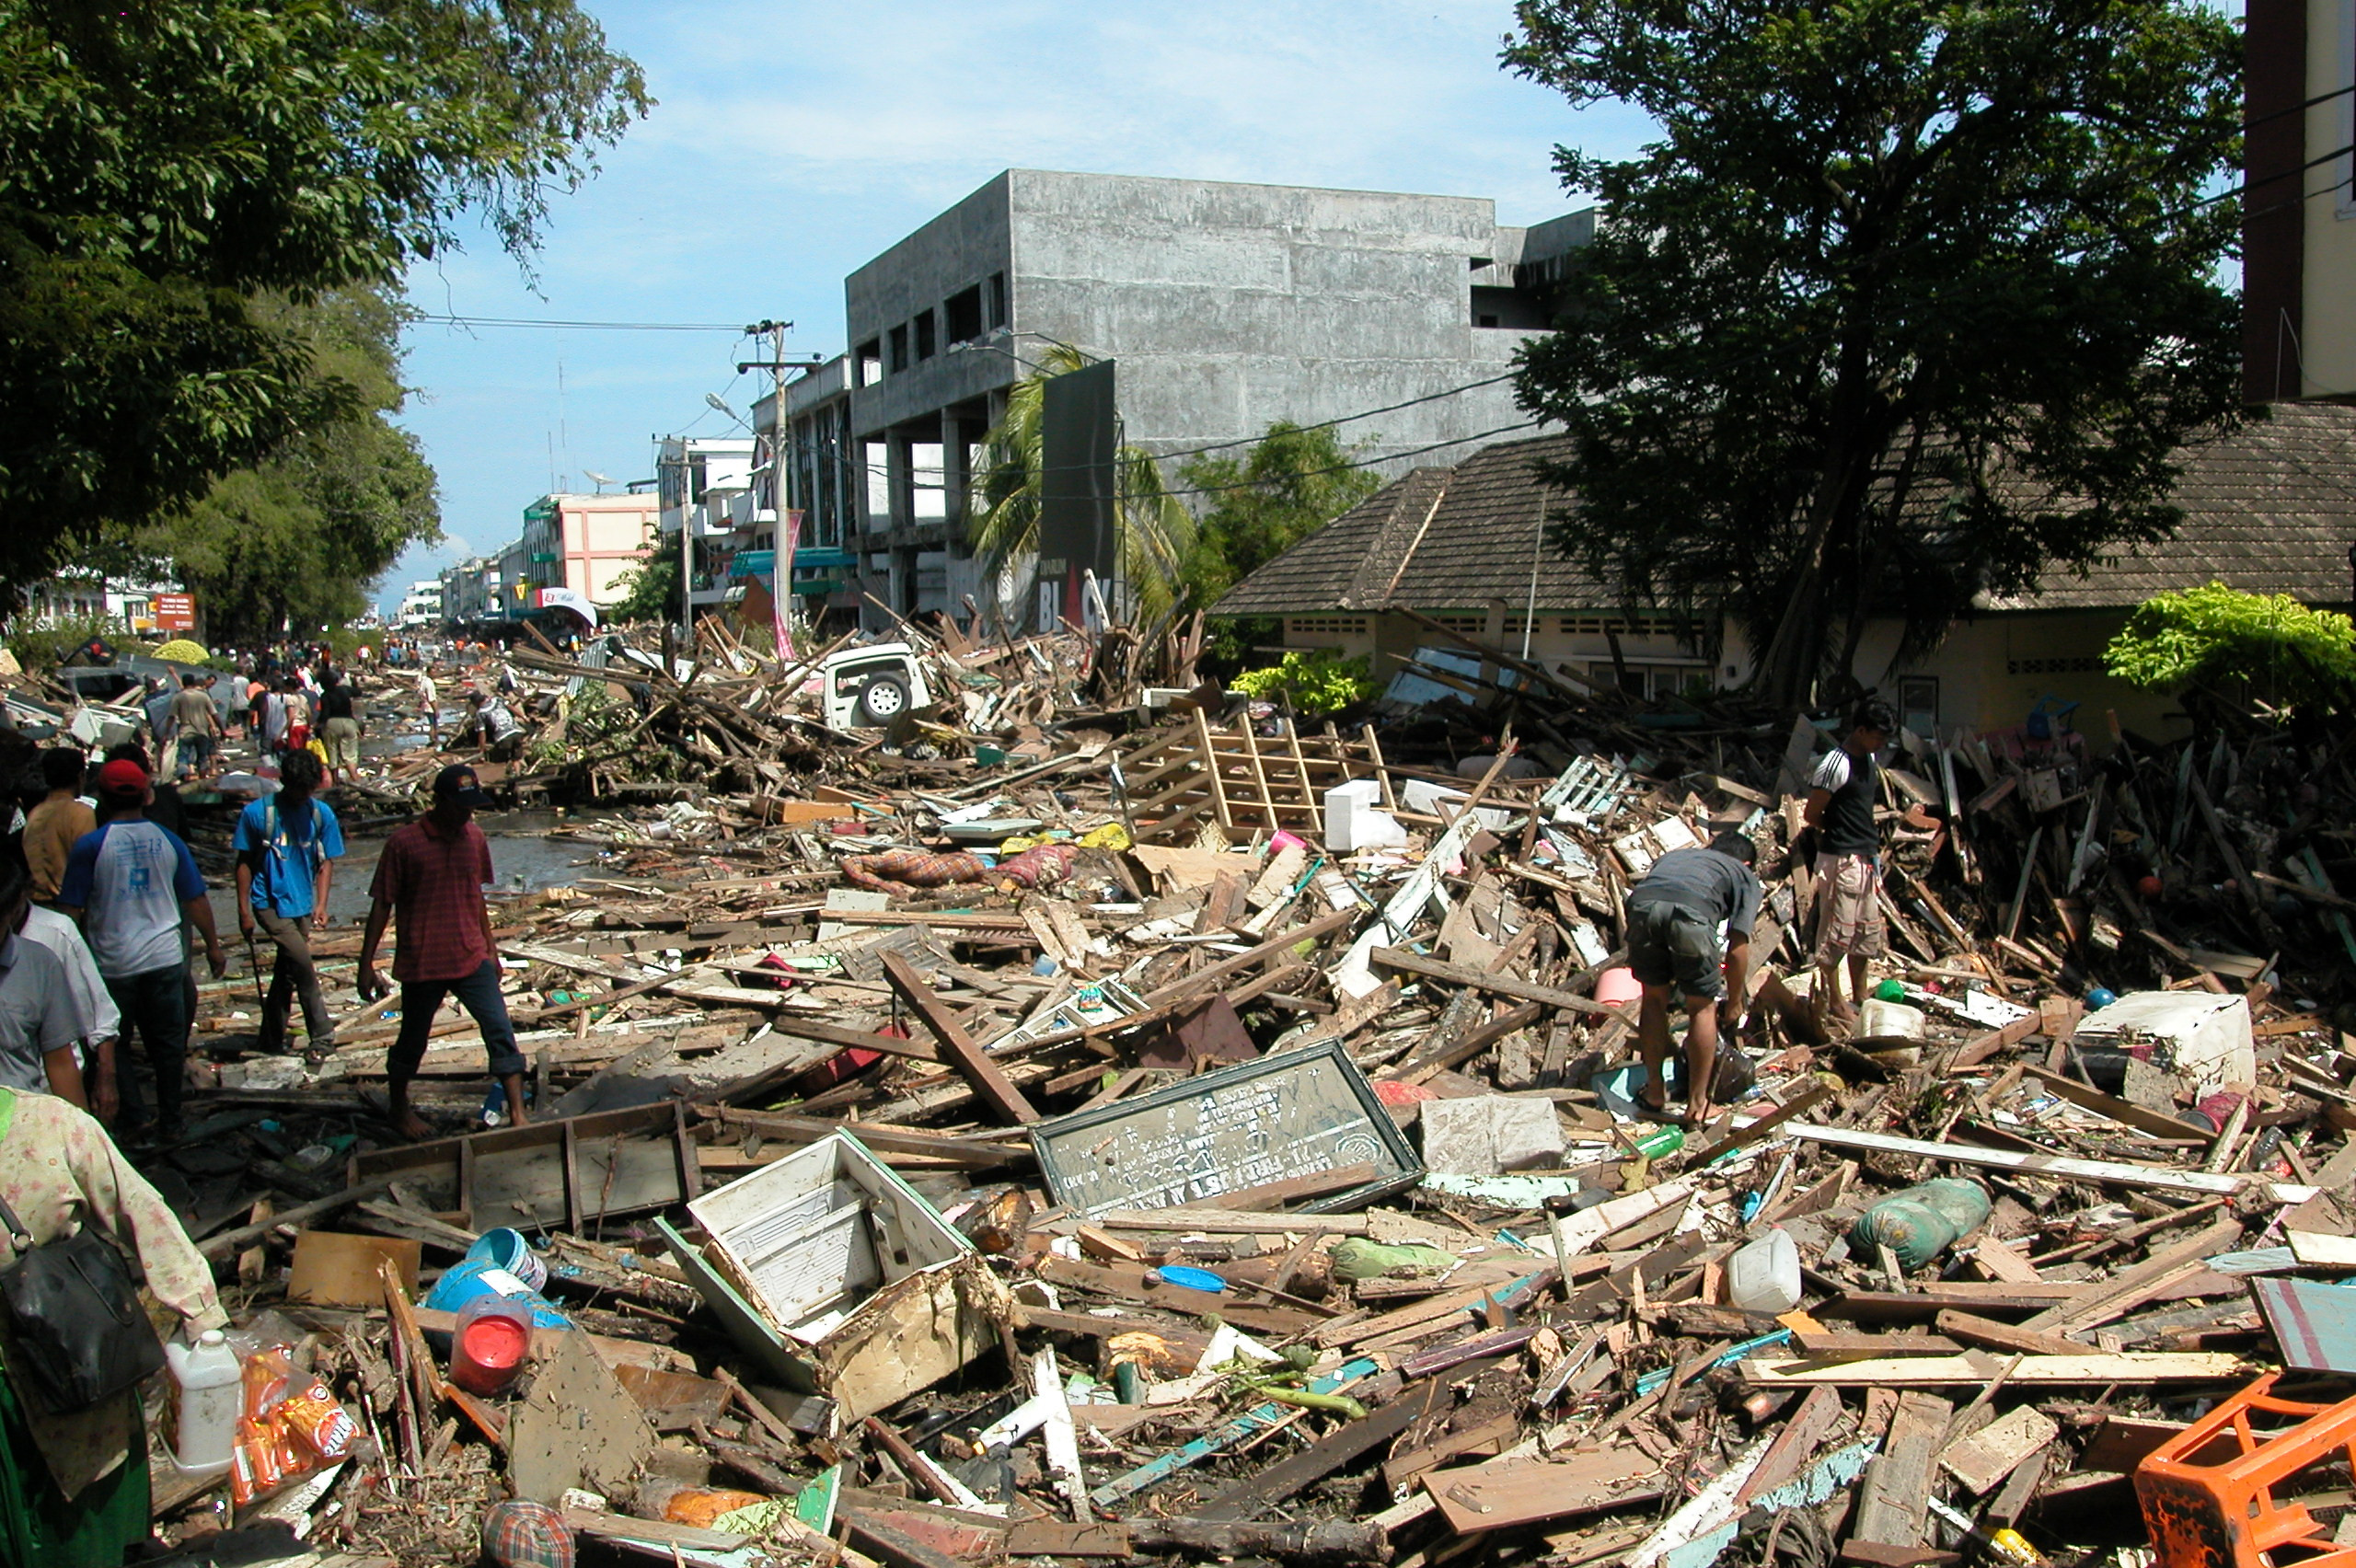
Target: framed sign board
x,y
1294,1113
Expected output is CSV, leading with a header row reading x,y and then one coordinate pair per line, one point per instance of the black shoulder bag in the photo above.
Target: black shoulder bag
x,y
81,1334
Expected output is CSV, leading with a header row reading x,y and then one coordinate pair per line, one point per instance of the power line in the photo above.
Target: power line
x,y
580,325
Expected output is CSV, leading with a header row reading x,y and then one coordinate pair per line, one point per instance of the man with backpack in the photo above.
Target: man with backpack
x,y
287,846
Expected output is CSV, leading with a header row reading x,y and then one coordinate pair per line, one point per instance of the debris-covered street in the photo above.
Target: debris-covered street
x,y
1089,1118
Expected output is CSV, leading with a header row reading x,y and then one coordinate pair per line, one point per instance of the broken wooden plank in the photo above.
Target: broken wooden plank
x,y
1321,1459
1505,1492
989,1082
1989,1334
2117,1172
1986,1457
1480,980
1972,1370
1893,1500
2125,1112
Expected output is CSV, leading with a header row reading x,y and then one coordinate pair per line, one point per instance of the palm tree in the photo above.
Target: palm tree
x,y
1154,530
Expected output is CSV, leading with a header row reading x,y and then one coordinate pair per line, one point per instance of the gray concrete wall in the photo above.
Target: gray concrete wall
x,y
1231,307
961,248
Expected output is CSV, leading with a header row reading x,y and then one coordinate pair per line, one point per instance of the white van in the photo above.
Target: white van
x,y
868,687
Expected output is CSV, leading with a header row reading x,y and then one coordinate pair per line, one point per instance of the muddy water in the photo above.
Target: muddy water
x,y
523,860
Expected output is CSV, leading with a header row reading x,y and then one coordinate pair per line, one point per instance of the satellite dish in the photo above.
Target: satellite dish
x,y
600,480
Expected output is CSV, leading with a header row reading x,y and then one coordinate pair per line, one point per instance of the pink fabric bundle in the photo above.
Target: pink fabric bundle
x,y
907,872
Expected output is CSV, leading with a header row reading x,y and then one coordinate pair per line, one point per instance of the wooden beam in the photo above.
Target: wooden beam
x,y
1976,1370
1500,984
991,1085
1321,1459
2124,1111
2119,1172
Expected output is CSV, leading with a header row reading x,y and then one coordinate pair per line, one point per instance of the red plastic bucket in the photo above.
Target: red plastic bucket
x,y
488,1349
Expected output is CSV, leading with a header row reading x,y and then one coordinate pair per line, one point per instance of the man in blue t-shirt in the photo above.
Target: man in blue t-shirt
x,y
287,846
130,884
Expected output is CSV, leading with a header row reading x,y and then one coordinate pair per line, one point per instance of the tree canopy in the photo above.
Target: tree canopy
x,y
2269,645
172,172
293,540
1909,299
1291,483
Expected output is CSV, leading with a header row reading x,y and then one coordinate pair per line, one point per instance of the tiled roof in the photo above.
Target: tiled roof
x,y
2270,507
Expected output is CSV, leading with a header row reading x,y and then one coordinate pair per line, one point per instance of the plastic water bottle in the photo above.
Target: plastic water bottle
x,y
209,1396
1920,1222
1764,1276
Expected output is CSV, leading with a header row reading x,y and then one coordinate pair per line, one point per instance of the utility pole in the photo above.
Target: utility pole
x,y
781,484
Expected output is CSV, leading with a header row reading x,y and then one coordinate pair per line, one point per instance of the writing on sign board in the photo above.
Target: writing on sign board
x,y
1298,1113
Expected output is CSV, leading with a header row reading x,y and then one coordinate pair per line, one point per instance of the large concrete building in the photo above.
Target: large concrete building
x,y
1226,307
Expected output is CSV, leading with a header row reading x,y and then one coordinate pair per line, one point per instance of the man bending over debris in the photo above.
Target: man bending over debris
x,y
1675,916
432,874
1840,799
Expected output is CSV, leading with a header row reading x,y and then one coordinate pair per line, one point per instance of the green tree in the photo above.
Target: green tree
x,y
168,165
651,591
1154,532
295,541
1912,298
2267,644
1291,483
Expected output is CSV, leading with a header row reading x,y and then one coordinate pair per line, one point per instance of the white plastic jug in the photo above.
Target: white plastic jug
x,y
1765,1277
210,1395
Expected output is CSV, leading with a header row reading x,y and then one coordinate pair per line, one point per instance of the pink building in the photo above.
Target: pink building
x,y
586,543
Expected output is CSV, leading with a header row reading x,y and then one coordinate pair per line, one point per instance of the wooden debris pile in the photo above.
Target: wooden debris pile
x,y
1125,1147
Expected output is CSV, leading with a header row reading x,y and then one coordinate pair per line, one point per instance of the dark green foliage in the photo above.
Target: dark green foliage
x,y
1910,298
1291,483
652,590
166,165
291,543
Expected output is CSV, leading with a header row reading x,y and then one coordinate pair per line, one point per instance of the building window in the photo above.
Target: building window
x,y
2088,665
1324,627
1469,626
928,482
1917,704
870,361
964,315
898,337
1651,681
879,484
998,301
927,345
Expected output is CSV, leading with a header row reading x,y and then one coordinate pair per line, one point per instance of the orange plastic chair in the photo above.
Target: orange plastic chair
x,y
2208,1495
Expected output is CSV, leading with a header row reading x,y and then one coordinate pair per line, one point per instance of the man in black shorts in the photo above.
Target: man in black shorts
x,y
1674,918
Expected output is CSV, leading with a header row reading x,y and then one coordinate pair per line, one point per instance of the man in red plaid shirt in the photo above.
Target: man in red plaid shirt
x,y
431,877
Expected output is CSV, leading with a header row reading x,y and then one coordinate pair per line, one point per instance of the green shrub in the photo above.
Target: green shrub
x,y
41,649
1317,681
2215,635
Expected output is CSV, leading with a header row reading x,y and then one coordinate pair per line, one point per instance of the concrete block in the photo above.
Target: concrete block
x,y
1488,1135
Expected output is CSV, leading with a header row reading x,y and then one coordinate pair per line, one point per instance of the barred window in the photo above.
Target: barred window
x,y
1325,626
2090,664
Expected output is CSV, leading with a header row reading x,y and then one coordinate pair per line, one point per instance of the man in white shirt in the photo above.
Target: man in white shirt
x,y
100,1021
39,1021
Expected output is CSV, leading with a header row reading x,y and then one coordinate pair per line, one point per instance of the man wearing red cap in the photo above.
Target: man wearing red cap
x,y
130,884
431,875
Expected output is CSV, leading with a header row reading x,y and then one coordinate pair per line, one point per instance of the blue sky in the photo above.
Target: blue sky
x,y
794,141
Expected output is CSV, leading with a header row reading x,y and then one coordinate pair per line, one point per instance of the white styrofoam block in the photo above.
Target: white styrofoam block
x,y
1489,1134
2202,1037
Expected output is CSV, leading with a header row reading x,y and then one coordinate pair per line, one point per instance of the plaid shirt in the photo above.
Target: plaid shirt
x,y
434,880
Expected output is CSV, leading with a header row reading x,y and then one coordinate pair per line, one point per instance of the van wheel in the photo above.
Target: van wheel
x,y
883,700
